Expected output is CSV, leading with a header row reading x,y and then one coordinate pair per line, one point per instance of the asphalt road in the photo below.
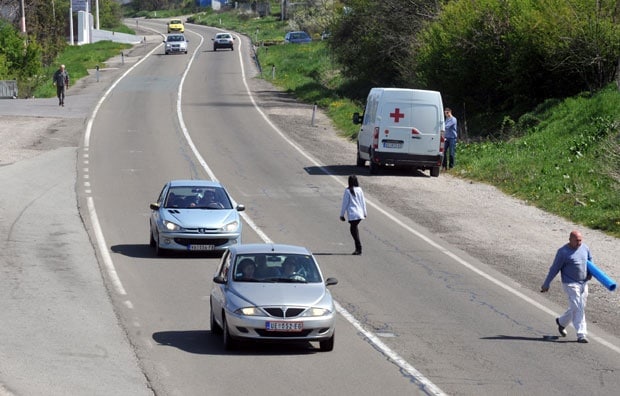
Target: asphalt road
x,y
467,330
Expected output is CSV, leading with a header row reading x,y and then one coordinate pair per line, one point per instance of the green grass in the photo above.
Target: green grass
x,y
567,164
78,59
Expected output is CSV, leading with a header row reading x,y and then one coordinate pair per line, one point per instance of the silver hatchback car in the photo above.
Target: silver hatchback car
x,y
194,215
272,292
175,43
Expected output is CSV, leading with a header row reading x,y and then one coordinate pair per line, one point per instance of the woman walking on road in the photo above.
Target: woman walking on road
x,y
354,205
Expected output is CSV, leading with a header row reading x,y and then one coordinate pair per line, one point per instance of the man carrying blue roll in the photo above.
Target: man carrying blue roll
x,y
572,261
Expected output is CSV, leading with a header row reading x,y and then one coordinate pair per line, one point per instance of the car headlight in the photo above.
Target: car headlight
x,y
317,312
170,226
249,311
231,227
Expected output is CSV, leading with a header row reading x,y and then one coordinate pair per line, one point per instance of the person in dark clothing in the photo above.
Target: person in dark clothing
x,y
61,81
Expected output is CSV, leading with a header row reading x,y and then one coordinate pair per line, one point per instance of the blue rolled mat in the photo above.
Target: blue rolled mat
x,y
601,276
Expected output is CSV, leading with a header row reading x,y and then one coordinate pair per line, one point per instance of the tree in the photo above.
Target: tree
x,y
374,41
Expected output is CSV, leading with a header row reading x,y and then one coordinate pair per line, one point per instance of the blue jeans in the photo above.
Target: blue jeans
x,y
449,152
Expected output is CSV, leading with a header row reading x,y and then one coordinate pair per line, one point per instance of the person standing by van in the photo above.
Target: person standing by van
x,y
354,205
450,139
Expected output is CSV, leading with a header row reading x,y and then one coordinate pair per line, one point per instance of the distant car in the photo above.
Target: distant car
x,y
175,43
223,40
283,297
176,26
194,215
298,37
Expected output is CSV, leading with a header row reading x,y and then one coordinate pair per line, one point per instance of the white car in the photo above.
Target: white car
x,y
175,43
223,40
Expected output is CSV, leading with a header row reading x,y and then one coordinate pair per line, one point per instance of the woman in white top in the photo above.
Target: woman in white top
x,y
354,205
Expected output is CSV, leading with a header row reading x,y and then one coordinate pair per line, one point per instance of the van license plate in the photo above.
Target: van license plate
x,y
395,145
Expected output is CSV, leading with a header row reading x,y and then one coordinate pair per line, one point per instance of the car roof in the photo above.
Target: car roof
x,y
223,34
194,182
275,248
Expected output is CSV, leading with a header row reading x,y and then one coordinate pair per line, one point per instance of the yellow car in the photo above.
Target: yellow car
x,y
176,26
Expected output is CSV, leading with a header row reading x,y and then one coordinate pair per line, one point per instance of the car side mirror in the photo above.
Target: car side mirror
x,y
154,206
219,280
357,119
240,208
331,281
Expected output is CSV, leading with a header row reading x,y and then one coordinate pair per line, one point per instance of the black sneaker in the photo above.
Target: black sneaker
x,y
357,253
561,328
582,340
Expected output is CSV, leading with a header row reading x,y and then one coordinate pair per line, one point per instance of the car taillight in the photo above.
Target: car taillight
x,y
441,144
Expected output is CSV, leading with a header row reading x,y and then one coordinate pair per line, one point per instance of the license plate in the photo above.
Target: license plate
x,y
284,326
201,247
393,144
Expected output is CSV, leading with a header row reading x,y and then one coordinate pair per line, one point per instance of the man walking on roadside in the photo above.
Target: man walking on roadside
x,y
61,81
572,261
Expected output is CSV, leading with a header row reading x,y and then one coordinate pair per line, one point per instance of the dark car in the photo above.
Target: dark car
x,y
298,37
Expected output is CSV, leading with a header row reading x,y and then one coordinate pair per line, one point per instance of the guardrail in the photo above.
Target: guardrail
x,y
8,89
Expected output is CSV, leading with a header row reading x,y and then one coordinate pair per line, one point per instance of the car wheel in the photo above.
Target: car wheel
x,y
215,328
231,48
229,342
214,48
327,345
152,240
435,171
158,250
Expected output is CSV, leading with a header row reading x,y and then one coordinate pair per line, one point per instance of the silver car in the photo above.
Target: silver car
x,y
194,215
175,43
272,292
223,40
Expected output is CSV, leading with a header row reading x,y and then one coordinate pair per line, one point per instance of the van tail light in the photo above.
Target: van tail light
x,y
375,138
442,143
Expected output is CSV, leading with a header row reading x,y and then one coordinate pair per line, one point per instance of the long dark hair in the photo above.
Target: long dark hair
x,y
353,183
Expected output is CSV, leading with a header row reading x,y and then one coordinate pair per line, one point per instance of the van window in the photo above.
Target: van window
x,y
426,118
370,114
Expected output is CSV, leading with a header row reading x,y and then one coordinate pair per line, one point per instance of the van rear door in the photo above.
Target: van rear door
x,y
410,127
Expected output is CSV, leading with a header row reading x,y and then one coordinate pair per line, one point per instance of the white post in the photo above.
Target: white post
x,y
97,12
71,23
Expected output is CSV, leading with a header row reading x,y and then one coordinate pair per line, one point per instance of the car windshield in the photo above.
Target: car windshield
x,y
176,38
223,36
300,35
276,268
175,22
192,197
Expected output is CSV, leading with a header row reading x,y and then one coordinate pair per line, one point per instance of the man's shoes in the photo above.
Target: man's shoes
x,y
357,253
582,340
561,328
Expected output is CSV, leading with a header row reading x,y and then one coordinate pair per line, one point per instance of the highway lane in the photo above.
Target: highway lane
x,y
466,334
135,146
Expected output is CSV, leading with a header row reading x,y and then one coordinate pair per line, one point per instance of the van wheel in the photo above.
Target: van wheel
x,y
374,167
435,171
360,162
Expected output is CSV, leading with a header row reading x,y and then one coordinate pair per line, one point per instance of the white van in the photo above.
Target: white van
x,y
401,127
